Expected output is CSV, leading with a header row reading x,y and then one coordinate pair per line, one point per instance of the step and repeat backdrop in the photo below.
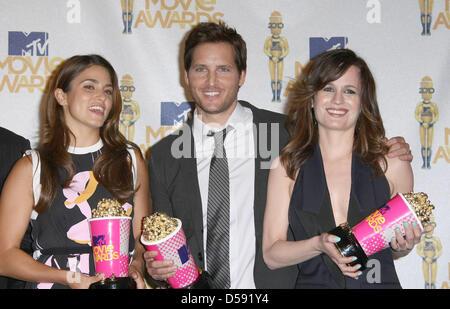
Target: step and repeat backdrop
x,y
405,42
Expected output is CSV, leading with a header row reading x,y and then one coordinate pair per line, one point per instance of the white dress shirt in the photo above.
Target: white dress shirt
x,y
239,147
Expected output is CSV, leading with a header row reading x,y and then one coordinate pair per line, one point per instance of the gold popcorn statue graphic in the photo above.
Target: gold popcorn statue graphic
x,y
426,8
276,48
130,109
426,114
430,249
127,15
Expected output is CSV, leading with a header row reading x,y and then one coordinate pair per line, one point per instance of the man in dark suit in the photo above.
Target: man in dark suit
x,y
12,148
175,190
215,67
180,165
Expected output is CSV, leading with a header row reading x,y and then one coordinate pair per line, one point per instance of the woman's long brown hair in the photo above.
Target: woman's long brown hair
x,y
368,142
112,168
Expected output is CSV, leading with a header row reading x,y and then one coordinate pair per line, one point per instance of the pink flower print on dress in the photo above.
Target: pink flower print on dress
x,y
81,188
79,263
47,285
128,208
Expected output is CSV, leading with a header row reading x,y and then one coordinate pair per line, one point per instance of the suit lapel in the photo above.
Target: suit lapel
x,y
314,209
261,174
316,199
261,137
188,168
362,197
314,196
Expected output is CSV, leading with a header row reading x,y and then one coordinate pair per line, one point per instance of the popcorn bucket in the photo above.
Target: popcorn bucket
x,y
376,231
110,244
174,247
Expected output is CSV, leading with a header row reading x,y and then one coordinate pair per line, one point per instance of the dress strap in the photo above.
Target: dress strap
x,y
36,163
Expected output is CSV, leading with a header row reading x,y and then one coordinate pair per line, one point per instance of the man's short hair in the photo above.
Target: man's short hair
x,y
211,32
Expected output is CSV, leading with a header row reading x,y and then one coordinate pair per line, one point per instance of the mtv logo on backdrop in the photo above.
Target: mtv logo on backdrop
x,y
318,45
27,44
173,113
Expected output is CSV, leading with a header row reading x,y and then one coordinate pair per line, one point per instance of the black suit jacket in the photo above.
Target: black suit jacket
x,y
175,190
12,148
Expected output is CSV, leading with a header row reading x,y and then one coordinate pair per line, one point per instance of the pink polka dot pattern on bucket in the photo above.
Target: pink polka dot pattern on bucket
x,y
376,231
125,226
174,247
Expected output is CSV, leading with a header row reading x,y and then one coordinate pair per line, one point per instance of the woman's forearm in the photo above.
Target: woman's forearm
x,y
284,253
17,264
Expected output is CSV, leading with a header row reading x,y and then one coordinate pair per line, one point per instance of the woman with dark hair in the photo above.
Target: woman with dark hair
x,y
81,158
335,169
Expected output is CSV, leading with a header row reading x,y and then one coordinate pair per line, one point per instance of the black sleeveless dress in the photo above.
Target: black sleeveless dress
x,y
61,234
310,214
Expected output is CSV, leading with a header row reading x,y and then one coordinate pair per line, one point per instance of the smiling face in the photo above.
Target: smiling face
x,y
337,105
214,80
88,102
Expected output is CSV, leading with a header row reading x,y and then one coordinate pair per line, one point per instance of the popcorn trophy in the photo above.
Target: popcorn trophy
x,y
110,235
165,234
375,232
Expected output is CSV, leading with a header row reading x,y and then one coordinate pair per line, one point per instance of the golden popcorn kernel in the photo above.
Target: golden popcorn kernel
x,y
158,226
421,205
108,208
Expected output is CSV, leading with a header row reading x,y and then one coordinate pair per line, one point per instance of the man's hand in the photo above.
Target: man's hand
x,y
398,147
159,270
135,273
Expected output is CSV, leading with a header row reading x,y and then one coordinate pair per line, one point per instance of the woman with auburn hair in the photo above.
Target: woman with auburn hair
x,y
335,169
80,159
